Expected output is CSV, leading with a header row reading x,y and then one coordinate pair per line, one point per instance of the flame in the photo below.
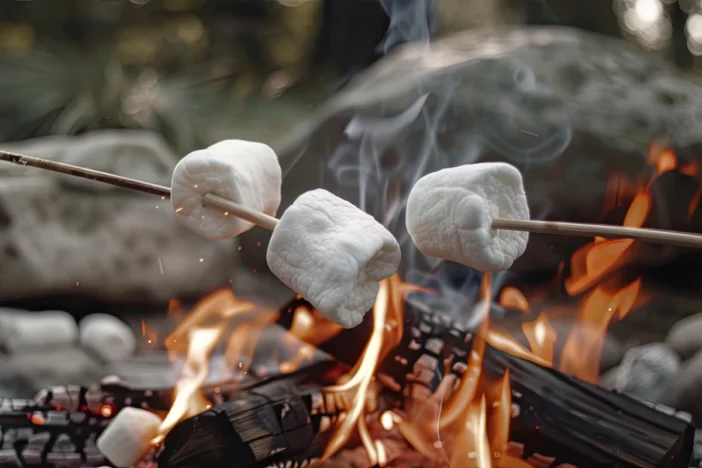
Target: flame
x,y
596,312
221,304
541,337
189,400
150,335
475,412
465,393
387,333
312,327
513,298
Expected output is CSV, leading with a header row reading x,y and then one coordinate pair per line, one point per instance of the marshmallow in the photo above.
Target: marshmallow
x,y
128,437
108,336
333,254
450,212
244,172
37,330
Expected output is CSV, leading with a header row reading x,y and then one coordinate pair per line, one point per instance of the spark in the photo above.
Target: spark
x,y
178,210
160,265
530,133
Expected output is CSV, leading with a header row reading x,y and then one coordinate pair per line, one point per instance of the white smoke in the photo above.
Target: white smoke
x,y
477,110
411,21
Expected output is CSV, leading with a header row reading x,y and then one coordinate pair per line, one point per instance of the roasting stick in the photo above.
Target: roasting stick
x,y
228,206
654,236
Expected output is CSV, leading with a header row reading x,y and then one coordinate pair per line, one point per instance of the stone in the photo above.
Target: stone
x,y
685,337
26,373
686,387
565,106
108,337
645,372
64,235
697,449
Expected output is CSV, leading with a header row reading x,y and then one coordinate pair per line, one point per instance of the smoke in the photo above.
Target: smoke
x,y
442,114
411,21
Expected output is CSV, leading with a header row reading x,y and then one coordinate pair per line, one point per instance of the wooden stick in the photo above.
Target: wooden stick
x,y
654,236
228,206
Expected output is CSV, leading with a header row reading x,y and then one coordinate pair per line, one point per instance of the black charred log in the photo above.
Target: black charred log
x,y
561,418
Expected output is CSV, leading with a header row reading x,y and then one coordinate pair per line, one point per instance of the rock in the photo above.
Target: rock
x,y
697,450
64,235
686,387
645,372
24,331
109,337
685,337
26,373
565,106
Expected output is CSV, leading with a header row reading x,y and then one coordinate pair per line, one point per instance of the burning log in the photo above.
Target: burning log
x,y
61,425
556,419
269,425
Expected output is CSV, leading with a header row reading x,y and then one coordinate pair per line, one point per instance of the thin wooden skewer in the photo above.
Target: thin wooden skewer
x,y
654,236
228,206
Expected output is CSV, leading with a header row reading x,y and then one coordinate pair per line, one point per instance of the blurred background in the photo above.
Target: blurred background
x,y
197,71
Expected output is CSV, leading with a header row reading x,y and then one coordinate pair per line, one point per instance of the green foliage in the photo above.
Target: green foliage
x,y
171,66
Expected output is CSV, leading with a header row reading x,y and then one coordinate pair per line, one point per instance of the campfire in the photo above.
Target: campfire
x,y
408,387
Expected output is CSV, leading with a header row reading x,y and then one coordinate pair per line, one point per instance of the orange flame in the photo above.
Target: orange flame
x,y
476,412
150,335
189,400
541,337
587,337
387,331
513,298
312,327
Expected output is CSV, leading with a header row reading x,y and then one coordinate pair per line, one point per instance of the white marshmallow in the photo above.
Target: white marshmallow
x,y
450,212
23,330
333,254
244,172
108,336
128,437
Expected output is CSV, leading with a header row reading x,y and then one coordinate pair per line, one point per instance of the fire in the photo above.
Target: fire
x,y
197,336
465,422
387,333
189,400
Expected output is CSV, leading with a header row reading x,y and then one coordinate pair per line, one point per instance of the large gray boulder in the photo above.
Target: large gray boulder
x,y
63,235
567,107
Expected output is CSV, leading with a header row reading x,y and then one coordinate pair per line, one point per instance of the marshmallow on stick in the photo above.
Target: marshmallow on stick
x,y
450,212
245,172
333,254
